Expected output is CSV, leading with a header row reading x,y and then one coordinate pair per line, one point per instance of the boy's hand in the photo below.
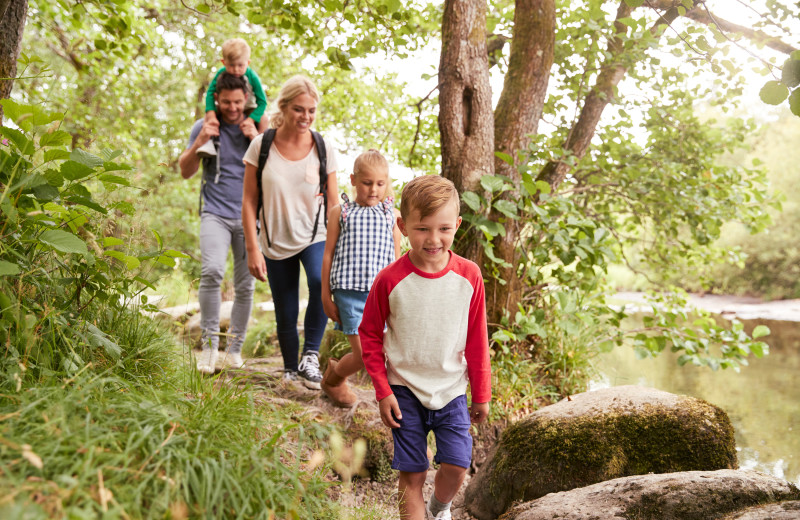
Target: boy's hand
x,y
331,310
478,412
210,116
210,129
248,128
389,411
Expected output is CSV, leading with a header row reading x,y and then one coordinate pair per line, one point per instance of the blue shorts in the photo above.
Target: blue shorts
x,y
450,426
351,309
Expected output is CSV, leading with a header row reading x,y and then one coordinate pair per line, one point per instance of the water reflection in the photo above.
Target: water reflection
x,y
763,400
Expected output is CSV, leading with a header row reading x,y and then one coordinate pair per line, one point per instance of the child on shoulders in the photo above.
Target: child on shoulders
x,y
423,338
236,61
362,239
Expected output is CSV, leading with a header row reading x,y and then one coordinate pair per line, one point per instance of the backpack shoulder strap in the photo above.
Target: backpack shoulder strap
x,y
323,172
263,153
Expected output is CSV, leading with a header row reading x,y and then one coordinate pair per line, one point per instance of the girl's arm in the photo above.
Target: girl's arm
x,y
327,261
255,260
258,92
397,235
212,89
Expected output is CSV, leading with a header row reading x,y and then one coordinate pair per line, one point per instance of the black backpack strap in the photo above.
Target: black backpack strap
x,y
263,154
323,180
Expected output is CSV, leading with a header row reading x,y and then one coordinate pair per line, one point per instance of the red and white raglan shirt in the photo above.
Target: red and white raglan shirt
x,y
435,339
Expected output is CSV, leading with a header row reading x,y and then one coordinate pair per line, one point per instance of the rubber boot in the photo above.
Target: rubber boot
x,y
335,387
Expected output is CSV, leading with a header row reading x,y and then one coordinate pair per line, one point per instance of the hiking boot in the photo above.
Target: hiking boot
x,y
207,360
441,515
336,388
232,360
207,150
308,370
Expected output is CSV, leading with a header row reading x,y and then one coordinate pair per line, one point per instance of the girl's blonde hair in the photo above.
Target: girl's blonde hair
x,y
373,160
294,86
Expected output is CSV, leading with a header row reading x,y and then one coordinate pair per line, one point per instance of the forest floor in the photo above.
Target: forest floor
x,y
363,495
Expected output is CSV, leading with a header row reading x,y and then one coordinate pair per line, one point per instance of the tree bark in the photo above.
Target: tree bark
x,y
12,24
466,125
515,119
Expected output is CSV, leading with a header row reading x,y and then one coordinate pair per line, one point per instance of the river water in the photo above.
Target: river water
x,y
762,400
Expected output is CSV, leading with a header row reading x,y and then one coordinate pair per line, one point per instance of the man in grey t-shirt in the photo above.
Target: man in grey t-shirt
x,y
220,219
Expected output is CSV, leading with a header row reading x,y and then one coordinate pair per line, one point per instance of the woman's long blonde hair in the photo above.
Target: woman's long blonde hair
x,y
294,86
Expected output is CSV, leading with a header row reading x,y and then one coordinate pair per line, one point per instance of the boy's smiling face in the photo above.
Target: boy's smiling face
x,y
431,237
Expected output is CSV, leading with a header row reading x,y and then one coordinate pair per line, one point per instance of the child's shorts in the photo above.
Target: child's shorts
x,y
351,309
450,426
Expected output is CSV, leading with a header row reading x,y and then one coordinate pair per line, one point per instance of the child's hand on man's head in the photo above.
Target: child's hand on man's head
x,y
390,411
478,412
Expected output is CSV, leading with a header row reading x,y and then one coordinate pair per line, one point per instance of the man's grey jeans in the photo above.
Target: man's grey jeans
x,y
217,234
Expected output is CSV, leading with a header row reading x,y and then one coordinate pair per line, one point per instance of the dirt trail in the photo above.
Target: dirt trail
x,y
265,375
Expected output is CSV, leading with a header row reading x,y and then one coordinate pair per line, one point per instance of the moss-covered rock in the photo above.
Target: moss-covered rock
x,y
690,495
380,446
598,436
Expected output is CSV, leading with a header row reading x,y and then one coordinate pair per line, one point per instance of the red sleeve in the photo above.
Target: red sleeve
x,y
479,369
370,332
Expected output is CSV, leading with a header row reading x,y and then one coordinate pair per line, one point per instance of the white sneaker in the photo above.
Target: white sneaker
x,y
442,515
232,360
308,370
207,150
206,361
289,377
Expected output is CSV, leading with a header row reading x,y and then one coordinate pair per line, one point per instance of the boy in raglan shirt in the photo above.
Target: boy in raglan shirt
x,y
431,304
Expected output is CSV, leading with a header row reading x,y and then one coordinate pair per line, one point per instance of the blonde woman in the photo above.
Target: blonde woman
x,y
292,218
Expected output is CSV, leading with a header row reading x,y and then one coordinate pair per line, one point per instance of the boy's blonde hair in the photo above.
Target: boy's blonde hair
x,y
235,49
294,86
372,160
427,194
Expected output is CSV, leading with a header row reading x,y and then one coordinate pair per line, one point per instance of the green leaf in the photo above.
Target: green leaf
x,y
634,3
86,158
73,171
112,241
98,338
543,186
504,157
790,76
492,183
175,254
27,116
55,155
773,93
760,331
23,144
114,179
507,208
203,8
7,268
57,138
393,5
158,239
63,241
472,200
794,102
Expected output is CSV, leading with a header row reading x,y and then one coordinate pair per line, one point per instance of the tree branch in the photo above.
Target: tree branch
x,y
704,16
419,122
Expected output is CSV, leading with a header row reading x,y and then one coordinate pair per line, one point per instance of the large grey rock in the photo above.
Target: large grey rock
x,y
192,329
691,495
782,511
597,436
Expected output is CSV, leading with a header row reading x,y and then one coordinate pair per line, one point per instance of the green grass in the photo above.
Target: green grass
x,y
146,437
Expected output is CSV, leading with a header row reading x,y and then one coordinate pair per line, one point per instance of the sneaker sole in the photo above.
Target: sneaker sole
x,y
311,384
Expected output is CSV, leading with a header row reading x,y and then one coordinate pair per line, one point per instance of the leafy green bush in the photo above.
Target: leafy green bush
x,y
100,413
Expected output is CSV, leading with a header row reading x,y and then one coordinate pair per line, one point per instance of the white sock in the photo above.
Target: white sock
x,y
436,507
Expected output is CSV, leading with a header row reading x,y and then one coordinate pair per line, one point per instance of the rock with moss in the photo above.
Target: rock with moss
x,y
380,446
690,495
781,511
334,345
597,436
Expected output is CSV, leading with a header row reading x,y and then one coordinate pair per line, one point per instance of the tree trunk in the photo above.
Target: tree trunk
x,y
466,124
516,118
12,24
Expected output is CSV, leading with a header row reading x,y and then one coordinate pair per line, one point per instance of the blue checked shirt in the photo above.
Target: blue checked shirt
x,y
365,245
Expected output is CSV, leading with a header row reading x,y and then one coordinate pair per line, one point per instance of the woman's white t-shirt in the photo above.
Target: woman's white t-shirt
x,y
291,200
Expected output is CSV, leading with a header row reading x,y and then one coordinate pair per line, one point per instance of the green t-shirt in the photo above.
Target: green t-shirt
x,y
256,90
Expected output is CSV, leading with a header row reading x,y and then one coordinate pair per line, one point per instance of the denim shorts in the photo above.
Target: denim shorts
x,y
450,426
351,308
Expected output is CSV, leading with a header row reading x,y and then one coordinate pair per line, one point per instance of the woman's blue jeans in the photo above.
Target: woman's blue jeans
x,y
284,282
